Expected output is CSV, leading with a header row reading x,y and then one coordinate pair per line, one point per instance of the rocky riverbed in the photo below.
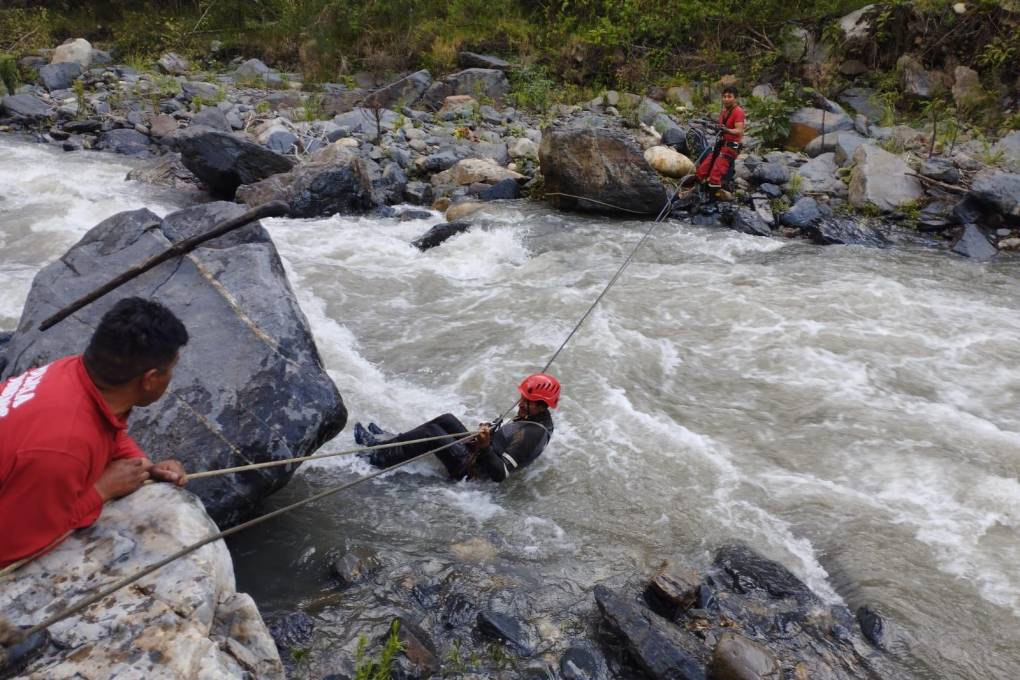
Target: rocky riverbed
x,y
452,144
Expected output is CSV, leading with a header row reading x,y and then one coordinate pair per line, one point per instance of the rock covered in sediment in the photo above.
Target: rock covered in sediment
x,y
224,162
184,621
249,386
880,180
601,164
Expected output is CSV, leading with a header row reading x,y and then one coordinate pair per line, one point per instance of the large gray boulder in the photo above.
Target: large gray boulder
x,y
999,192
600,164
78,51
880,181
339,184
25,107
126,142
224,162
808,122
187,617
917,81
167,171
843,144
973,243
818,175
486,82
59,76
363,120
249,387
404,92
1009,147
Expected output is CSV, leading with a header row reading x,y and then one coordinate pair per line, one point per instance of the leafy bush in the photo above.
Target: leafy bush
x,y
532,88
769,119
9,72
382,668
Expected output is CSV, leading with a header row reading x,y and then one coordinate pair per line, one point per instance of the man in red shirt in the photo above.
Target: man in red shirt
x,y
64,447
716,164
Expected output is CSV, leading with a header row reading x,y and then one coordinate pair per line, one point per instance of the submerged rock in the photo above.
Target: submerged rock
x,y
844,231
440,233
599,164
249,387
184,619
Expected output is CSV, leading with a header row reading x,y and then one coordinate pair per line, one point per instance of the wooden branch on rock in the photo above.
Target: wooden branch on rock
x,y
942,185
272,209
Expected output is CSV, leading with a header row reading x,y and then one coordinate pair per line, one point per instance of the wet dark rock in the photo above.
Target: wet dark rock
x,y
656,645
25,107
578,663
125,142
443,159
771,173
59,76
319,189
748,222
81,127
999,192
248,388
292,630
804,213
968,211
440,233
224,162
473,60
503,190
973,243
674,588
751,571
706,598
355,565
872,626
936,216
506,629
601,164
941,169
418,192
418,659
844,231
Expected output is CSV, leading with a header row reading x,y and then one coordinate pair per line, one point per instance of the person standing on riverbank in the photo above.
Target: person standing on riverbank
x,y
716,164
493,455
64,447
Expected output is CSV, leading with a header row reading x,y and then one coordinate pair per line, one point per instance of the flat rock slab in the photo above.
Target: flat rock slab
x,y
184,621
249,387
25,107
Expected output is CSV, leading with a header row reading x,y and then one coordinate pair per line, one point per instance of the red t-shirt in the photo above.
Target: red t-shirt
x,y
57,435
729,119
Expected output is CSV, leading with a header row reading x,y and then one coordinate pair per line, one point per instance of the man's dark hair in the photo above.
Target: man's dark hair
x,y
135,336
730,89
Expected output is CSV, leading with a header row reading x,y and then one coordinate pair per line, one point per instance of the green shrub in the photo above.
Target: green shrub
x,y
532,88
9,72
381,668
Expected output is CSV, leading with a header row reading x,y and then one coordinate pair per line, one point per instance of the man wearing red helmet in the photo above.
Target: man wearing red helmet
x,y
492,455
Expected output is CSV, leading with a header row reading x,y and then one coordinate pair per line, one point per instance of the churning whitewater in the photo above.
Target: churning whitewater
x,y
853,413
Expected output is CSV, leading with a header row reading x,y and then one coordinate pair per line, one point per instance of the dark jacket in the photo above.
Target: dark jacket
x,y
515,445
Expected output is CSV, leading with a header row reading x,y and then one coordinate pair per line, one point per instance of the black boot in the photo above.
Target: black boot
x,y
16,658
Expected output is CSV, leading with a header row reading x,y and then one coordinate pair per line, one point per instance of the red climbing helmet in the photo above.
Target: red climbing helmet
x,y
541,387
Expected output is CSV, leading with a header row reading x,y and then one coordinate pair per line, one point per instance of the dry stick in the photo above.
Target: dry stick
x,y
128,580
943,185
272,209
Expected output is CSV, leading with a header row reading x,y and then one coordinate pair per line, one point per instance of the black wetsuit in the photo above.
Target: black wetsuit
x,y
514,445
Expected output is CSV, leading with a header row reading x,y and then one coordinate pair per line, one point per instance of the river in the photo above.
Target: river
x,y
853,413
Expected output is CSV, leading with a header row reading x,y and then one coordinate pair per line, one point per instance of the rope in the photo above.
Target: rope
x,y
662,214
145,571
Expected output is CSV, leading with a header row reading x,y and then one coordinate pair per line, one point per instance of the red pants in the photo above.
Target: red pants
x,y
715,166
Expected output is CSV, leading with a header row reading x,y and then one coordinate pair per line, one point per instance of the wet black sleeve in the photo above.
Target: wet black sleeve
x,y
525,446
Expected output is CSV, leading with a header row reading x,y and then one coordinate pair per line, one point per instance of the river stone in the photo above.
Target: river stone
x,y
503,190
78,50
601,164
751,571
363,120
675,586
523,148
844,231
440,233
1009,147
941,169
249,387
320,189
224,162
504,628
25,107
292,630
818,175
484,82
973,243
355,565
59,76
167,171
998,191
916,80
212,117
185,616
843,144
195,89
655,644
872,625
807,123
474,60
471,170
252,69
738,658
173,64
771,173
803,213
125,142
404,92
880,179
578,663
863,100
856,25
